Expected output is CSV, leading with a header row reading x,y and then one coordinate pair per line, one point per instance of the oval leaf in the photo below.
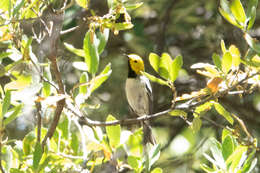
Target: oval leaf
x,y
175,68
90,47
155,79
154,60
226,62
113,132
238,11
222,111
71,48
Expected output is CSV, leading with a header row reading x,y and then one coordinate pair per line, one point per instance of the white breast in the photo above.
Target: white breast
x,y
137,95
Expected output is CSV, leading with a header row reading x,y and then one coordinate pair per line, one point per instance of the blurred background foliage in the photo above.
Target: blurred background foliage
x,y
191,28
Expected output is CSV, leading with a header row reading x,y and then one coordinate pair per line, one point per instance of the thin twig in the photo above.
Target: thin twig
x,y
39,121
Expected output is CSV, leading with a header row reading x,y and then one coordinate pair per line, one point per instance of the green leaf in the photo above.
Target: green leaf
x,y
123,26
90,46
102,37
227,147
250,162
201,109
28,141
4,5
7,156
74,143
132,6
216,150
13,114
229,17
101,78
196,124
37,155
134,143
254,44
250,5
175,68
223,47
4,55
133,162
154,60
21,83
234,158
155,79
113,132
226,62
6,102
165,66
222,111
157,170
80,65
154,154
83,79
18,7
64,127
252,18
216,60
238,11
207,169
83,3
178,112
225,133
78,52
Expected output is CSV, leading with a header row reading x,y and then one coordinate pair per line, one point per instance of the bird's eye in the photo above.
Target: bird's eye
x,y
135,61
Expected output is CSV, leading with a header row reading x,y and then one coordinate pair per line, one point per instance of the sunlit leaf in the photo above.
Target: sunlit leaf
x,y
71,48
227,147
133,162
238,11
196,124
216,60
74,143
37,155
7,156
229,17
132,6
252,18
235,55
19,84
175,67
165,65
90,46
113,132
135,143
222,111
83,79
28,142
178,112
250,162
80,65
6,102
226,62
4,5
254,44
201,109
216,150
207,169
13,114
101,78
157,170
64,127
155,79
83,3
234,158
154,60
102,37
154,154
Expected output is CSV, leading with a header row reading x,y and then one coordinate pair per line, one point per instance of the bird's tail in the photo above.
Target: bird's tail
x,y
147,133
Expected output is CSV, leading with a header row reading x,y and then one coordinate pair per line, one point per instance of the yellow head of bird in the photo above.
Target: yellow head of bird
x,y
136,63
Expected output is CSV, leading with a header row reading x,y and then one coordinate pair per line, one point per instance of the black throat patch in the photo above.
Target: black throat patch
x,y
131,73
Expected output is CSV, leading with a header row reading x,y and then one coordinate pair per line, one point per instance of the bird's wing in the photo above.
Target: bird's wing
x,y
149,92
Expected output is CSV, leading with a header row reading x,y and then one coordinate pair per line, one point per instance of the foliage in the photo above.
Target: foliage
x,y
66,138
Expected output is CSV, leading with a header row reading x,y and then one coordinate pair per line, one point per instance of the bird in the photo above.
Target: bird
x,y
139,94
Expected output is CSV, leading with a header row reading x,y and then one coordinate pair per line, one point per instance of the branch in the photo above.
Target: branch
x,y
187,106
